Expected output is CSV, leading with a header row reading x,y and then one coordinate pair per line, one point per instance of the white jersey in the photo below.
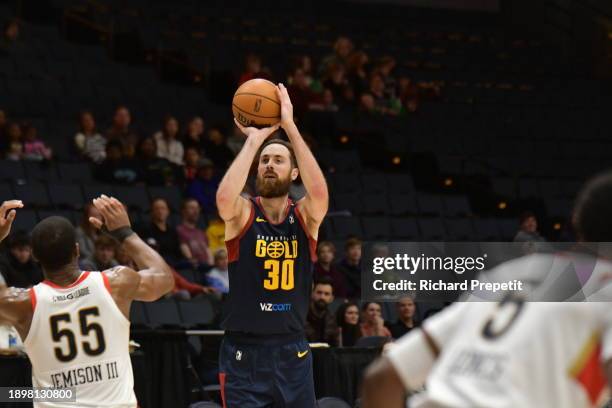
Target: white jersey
x,y
514,353
79,338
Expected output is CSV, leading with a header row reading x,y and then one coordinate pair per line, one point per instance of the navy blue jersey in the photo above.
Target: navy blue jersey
x,y
270,274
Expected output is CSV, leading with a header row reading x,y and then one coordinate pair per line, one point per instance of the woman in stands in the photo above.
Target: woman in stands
x,y
348,322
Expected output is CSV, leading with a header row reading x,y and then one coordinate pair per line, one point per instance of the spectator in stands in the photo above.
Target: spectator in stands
x,y
17,265
104,255
350,267
215,232
14,147
528,229
357,74
218,276
10,35
236,140
320,322
406,317
116,168
253,69
385,68
194,137
193,242
33,147
372,321
169,147
343,47
349,330
335,80
325,268
304,63
204,187
409,94
154,170
86,233
121,131
301,95
367,104
159,234
326,103
192,160
185,290
88,141
217,150
382,103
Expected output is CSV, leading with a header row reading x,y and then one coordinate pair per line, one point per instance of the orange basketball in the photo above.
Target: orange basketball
x,y
256,104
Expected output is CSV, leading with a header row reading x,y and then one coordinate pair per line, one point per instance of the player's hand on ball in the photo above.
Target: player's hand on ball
x,y
257,134
286,106
113,212
7,216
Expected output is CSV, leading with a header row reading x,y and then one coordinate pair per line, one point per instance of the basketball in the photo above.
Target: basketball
x,y
256,104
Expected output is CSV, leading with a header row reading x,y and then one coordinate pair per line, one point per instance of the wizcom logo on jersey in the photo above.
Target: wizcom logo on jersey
x,y
275,307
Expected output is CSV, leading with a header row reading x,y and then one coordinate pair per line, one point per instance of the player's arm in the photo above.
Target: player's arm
x,y
155,277
407,364
315,203
15,305
14,302
233,208
404,368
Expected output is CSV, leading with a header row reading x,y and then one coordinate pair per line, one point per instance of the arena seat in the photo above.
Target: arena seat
x,y
66,195
196,313
375,203
345,227
432,229
75,172
348,201
26,220
6,192
486,229
138,314
456,206
135,197
460,229
403,204
405,229
163,313
429,204
11,170
376,228
91,191
40,171
33,193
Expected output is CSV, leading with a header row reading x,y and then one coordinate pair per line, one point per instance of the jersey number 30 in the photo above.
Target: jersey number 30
x,y
280,274
66,332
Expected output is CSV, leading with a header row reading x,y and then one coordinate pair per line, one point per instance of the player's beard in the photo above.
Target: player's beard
x,y
273,187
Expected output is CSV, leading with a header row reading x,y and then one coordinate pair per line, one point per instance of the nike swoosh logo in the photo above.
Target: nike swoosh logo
x,y
259,219
302,353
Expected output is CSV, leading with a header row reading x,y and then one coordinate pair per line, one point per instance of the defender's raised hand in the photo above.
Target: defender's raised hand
x,y
113,213
7,216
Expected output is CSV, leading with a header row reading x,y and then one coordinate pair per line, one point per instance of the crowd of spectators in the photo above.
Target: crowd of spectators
x,y
349,77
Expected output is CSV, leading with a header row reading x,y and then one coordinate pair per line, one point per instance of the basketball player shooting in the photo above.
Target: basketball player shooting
x,y
74,324
514,353
264,358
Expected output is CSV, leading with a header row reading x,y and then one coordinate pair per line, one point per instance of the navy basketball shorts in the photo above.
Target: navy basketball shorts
x,y
266,371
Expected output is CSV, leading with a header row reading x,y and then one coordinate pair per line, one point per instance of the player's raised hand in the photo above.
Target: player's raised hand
x,y
113,212
286,106
7,216
258,134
